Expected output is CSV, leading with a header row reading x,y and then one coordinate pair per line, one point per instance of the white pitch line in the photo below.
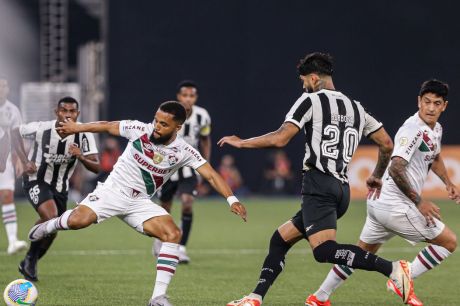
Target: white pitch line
x,y
135,252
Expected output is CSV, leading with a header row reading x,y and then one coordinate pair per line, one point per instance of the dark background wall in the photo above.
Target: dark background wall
x,y
243,56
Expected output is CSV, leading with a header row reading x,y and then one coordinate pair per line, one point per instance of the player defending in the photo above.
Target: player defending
x,y
333,124
153,154
196,131
56,155
399,208
11,164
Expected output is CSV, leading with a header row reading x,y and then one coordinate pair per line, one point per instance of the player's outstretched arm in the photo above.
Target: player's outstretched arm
x,y
218,183
439,168
18,145
70,127
374,182
276,139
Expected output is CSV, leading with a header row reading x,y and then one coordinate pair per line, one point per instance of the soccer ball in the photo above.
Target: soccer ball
x,y
20,292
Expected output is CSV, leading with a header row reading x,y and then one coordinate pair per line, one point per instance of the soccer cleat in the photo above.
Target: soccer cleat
x,y
38,232
245,301
161,300
183,257
313,301
28,268
16,247
401,279
413,299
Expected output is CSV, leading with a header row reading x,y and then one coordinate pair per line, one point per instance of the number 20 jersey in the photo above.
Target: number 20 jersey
x,y
333,125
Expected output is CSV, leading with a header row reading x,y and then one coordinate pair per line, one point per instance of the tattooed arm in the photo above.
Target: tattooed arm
x,y
374,182
439,168
398,173
277,139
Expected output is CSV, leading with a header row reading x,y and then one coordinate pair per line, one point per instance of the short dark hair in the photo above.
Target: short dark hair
x,y
437,87
68,99
317,62
186,83
176,109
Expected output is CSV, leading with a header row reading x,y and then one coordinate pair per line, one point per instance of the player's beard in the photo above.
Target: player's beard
x,y
160,140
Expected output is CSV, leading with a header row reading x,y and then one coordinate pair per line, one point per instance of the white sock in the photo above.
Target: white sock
x,y
59,223
10,221
256,296
166,267
428,258
334,279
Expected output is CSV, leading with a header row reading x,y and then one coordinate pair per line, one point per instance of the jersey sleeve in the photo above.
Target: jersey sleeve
x,y
407,140
300,112
16,119
88,144
132,129
371,124
29,130
205,128
193,158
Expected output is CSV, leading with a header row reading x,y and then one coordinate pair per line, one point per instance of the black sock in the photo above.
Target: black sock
x,y
34,250
45,245
273,264
187,219
351,256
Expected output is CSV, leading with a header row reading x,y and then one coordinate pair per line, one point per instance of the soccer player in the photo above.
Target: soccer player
x,y
333,124
56,155
153,154
10,119
399,209
196,131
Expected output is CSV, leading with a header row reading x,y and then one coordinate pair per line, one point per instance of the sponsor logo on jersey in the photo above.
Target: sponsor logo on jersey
x,y
142,162
413,143
52,158
133,127
193,152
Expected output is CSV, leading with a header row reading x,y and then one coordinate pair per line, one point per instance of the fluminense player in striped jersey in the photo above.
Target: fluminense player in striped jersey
x,y
398,208
153,154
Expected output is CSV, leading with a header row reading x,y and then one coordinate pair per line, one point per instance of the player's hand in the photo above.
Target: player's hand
x,y
74,150
430,211
239,209
233,141
454,194
30,167
67,127
374,186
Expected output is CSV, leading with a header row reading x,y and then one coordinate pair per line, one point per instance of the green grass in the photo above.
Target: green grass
x,y
110,264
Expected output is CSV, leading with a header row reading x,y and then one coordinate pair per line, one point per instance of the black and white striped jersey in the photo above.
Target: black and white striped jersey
x,y
333,124
196,126
51,155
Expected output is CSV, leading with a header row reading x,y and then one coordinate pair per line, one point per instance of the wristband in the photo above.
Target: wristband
x,y
231,200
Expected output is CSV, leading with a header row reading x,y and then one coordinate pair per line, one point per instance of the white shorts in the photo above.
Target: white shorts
x,y
7,178
109,201
381,225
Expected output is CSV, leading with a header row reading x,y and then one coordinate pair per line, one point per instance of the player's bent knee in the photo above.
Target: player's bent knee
x,y
173,235
452,243
324,251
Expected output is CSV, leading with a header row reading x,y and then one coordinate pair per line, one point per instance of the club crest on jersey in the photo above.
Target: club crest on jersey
x,y
157,158
427,144
172,159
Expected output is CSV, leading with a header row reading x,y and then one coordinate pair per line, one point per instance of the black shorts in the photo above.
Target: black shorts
x,y
38,192
324,200
185,185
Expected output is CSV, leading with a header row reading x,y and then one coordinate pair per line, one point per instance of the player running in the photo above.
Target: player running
x,y
153,154
11,164
56,155
196,131
333,124
399,208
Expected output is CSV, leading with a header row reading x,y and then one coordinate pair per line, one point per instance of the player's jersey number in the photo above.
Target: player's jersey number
x,y
350,139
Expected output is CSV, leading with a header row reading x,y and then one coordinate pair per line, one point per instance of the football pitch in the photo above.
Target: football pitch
x,y
111,264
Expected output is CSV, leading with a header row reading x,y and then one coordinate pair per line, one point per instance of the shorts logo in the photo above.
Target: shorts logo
x,y
93,198
308,228
157,158
33,193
